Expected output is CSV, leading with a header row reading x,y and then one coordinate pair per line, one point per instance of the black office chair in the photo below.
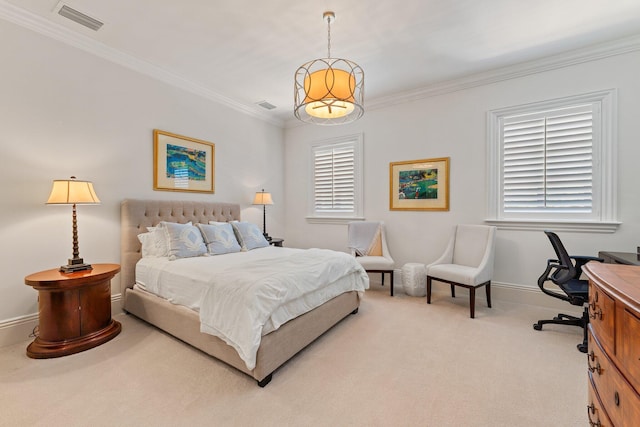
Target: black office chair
x,y
565,272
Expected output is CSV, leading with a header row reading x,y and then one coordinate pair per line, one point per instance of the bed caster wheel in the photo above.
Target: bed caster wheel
x,y
537,326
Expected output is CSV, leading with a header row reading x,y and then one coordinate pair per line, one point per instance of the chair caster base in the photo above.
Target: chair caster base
x,y
537,326
582,348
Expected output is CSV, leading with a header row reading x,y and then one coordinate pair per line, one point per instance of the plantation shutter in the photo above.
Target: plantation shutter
x,y
334,178
548,161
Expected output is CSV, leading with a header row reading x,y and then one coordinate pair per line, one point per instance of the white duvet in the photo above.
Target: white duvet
x,y
242,296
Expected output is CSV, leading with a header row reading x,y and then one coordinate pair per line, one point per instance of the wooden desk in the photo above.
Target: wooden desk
x,y
74,310
627,258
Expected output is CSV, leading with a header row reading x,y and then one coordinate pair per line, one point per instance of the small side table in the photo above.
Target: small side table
x,y
74,310
276,241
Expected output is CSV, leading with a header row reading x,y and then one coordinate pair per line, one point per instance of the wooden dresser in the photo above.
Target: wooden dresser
x,y
614,345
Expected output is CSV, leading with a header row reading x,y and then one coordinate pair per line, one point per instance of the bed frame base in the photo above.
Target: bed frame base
x,y
275,348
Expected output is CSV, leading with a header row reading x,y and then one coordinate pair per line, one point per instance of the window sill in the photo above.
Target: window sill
x,y
332,219
576,226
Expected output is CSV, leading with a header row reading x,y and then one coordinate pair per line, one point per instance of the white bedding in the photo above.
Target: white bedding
x,y
277,284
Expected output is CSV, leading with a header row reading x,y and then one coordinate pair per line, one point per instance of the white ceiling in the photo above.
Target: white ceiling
x,y
248,50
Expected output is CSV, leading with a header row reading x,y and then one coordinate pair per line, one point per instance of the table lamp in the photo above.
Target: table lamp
x,y
73,192
263,198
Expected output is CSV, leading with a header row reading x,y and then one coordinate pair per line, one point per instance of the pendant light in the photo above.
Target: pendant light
x,y
329,91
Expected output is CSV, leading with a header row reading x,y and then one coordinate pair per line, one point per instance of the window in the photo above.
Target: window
x,y
336,168
552,164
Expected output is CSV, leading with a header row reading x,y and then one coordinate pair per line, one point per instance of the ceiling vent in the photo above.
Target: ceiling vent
x,y
79,17
266,105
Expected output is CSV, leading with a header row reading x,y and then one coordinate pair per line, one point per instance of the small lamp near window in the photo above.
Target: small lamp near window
x,y
73,192
263,198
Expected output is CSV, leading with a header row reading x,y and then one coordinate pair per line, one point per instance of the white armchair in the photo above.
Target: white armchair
x,y
367,242
467,262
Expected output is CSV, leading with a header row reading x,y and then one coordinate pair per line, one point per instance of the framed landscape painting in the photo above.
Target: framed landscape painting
x,y
417,185
182,164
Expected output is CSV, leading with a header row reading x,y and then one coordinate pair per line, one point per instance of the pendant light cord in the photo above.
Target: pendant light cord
x,y
329,37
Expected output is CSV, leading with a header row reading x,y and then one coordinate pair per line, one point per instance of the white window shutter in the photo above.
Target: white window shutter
x,y
336,188
334,181
548,161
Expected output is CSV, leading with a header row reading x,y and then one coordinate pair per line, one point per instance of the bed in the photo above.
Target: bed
x,y
275,348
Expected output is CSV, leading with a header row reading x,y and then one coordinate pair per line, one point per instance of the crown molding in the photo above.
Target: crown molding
x,y
565,59
55,31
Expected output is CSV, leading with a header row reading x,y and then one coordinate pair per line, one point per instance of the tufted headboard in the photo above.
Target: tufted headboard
x,y
137,215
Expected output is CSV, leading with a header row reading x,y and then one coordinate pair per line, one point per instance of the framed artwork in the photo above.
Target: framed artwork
x,y
419,185
182,164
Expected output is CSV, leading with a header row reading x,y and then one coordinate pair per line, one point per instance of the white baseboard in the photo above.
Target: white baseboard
x,y
20,329
500,291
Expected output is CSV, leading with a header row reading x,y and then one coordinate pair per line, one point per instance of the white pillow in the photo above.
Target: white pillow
x,y
219,238
154,243
185,240
249,235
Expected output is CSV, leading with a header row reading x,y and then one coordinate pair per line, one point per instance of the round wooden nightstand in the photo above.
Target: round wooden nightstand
x,y
74,310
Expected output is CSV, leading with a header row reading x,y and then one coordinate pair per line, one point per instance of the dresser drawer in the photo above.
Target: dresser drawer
x,y
602,310
618,398
595,412
628,350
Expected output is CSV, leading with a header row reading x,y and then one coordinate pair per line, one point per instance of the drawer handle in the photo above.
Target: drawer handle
x,y
597,368
595,314
591,409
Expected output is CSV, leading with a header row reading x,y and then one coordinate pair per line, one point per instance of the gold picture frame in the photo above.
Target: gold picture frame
x,y
419,185
181,163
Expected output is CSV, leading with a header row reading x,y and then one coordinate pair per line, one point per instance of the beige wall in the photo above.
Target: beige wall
x,y
66,112
454,125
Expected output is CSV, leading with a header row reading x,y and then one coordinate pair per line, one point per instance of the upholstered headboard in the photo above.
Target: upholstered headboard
x,y
137,215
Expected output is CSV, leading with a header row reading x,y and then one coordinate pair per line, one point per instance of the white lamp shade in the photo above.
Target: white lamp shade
x,y
70,191
329,93
262,198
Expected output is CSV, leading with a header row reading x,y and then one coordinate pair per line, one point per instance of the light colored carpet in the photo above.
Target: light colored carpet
x,y
398,362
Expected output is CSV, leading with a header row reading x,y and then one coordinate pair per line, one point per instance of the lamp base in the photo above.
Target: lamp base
x,y
267,237
75,264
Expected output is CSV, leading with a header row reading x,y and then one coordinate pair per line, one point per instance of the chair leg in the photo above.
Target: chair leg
x,y
428,290
583,348
453,291
488,286
383,278
472,301
391,274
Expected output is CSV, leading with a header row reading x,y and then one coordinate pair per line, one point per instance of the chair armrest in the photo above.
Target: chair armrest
x,y
586,259
446,257
552,265
582,260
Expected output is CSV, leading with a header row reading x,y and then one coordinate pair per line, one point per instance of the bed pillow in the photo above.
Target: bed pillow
x,y
249,235
219,238
184,240
154,243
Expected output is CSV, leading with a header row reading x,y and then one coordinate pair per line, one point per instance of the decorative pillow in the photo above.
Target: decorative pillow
x,y
219,238
249,235
154,243
185,240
